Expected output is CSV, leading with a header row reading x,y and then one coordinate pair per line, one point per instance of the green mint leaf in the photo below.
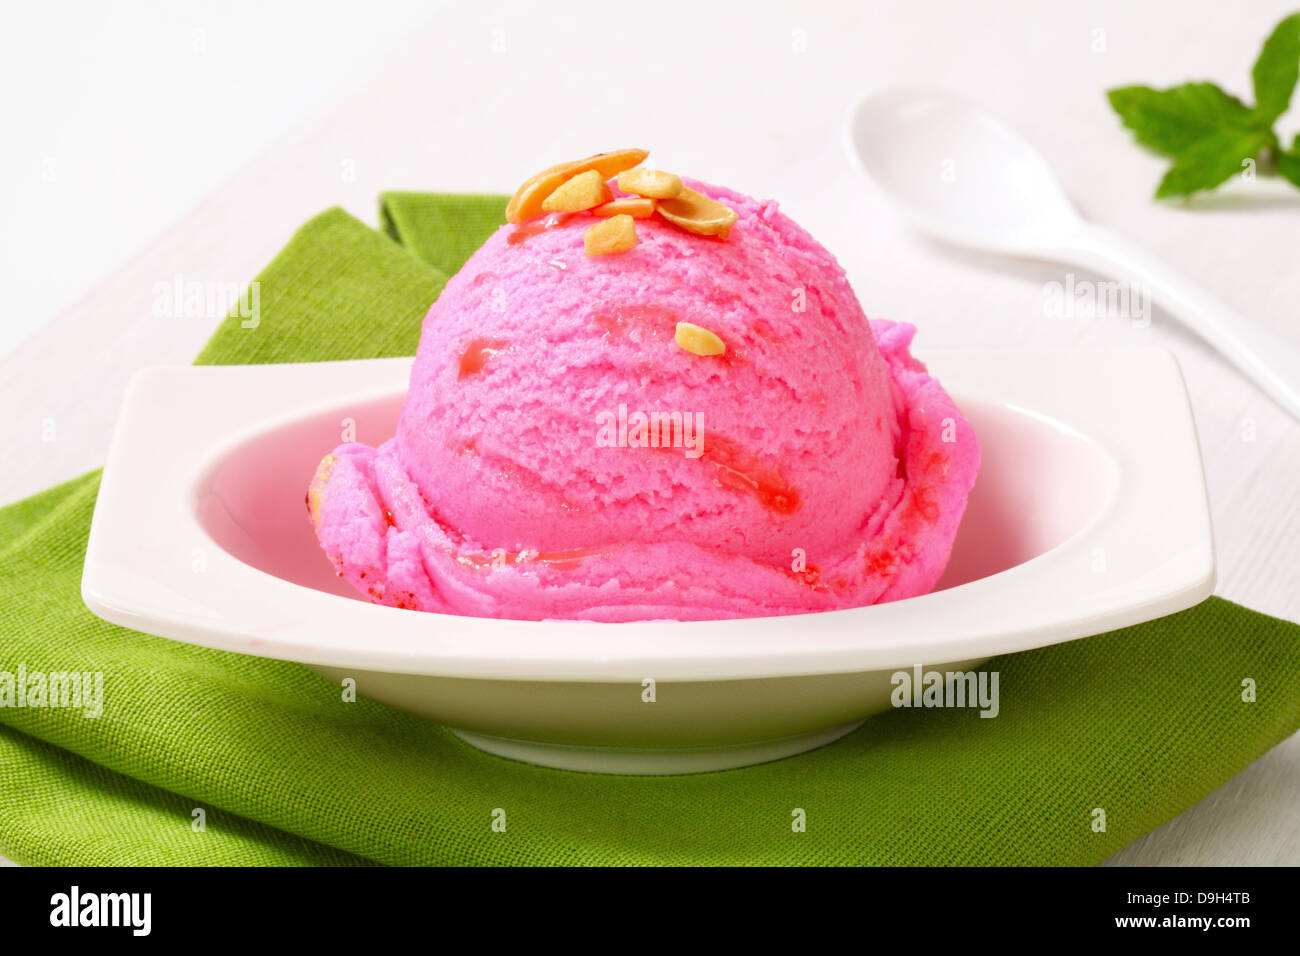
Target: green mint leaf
x,y
1288,163
1277,69
1170,121
1212,160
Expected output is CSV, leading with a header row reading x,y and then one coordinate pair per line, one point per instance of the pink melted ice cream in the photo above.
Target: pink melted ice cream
x,y
816,464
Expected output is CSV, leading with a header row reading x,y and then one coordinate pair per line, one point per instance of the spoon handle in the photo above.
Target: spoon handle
x,y
1269,360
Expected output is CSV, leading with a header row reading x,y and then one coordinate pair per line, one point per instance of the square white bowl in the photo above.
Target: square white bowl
x,y
1089,514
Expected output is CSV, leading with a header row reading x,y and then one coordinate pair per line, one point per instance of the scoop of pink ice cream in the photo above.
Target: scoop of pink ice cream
x,y
559,455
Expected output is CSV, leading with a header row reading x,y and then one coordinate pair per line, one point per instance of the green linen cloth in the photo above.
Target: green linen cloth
x,y
1140,723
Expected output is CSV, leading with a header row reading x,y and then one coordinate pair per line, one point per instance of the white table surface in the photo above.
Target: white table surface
x,y
191,139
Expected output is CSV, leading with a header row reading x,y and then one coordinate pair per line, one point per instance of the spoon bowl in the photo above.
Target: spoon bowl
x,y
959,171
961,175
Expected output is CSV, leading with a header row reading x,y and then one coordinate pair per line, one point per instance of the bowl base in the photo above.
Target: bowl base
x,y
653,761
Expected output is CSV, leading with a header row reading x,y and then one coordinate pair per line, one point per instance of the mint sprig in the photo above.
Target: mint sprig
x,y
1288,163
1277,69
1210,134
1170,121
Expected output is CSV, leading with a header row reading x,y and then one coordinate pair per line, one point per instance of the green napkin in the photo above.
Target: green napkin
x,y
1138,723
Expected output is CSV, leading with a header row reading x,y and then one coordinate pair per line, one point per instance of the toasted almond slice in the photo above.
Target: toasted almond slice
x,y
653,183
635,206
612,235
697,339
526,203
316,490
583,191
698,213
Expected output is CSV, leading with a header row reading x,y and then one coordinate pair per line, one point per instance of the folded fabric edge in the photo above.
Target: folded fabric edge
x,y
381,322
100,809
442,229
32,763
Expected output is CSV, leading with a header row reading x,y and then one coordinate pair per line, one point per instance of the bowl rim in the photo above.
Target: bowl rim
x,y
1131,402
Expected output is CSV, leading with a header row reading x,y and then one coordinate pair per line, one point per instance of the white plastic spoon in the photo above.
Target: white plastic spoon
x,y
964,177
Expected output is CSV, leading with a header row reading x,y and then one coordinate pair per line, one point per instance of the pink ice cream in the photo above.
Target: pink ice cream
x,y
813,466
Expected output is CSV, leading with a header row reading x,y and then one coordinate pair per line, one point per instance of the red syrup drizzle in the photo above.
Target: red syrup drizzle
x,y
764,330
882,558
477,354
734,467
564,558
919,507
921,502
522,233
811,577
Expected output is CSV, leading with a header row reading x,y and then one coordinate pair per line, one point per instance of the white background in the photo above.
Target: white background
x,y
191,138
